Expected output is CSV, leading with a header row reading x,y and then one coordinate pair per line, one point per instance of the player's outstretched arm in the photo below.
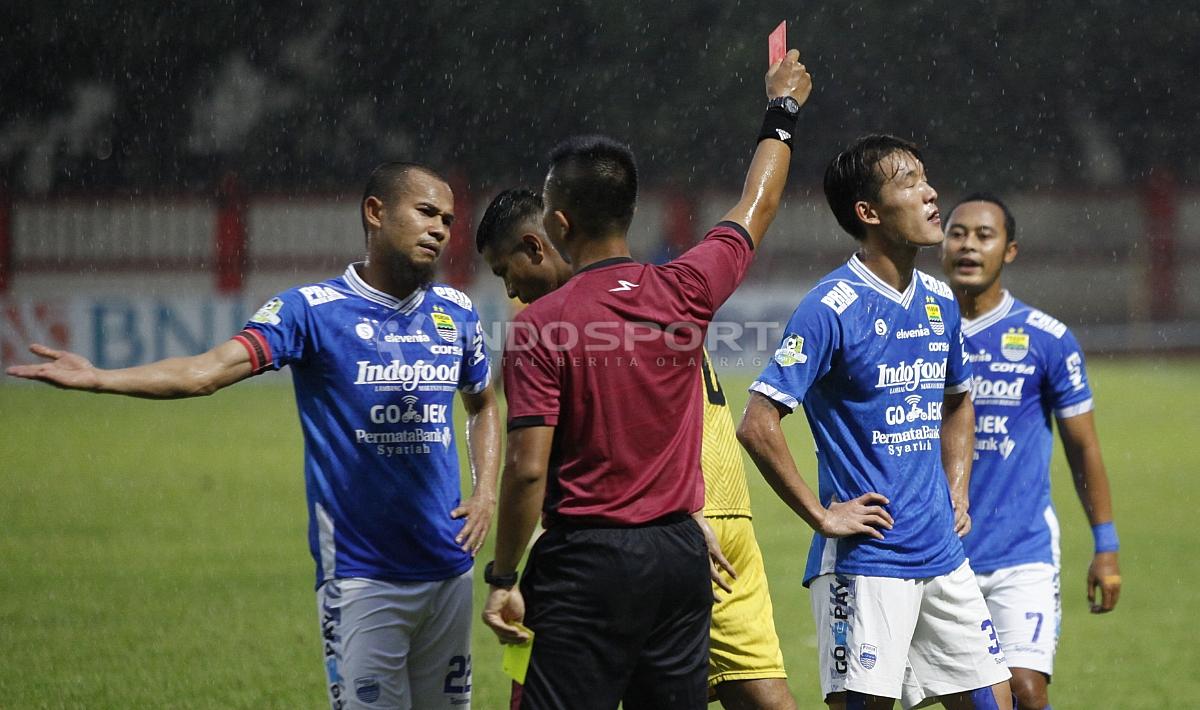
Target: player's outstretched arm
x,y
1082,448
522,489
958,450
483,453
172,378
762,436
768,171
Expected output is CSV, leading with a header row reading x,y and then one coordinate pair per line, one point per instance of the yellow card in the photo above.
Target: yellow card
x,y
516,656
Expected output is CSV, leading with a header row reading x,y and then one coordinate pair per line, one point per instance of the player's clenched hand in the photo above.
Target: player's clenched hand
x,y
788,77
504,606
962,519
1105,575
716,559
862,516
64,369
478,512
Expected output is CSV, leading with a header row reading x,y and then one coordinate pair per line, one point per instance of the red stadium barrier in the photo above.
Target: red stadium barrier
x,y
6,240
231,235
1162,218
458,268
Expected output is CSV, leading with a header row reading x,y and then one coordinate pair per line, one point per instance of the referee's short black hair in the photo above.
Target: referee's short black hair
x,y
858,173
388,180
1010,222
507,211
595,179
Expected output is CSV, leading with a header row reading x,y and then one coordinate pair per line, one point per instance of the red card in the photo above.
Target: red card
x,y
777,43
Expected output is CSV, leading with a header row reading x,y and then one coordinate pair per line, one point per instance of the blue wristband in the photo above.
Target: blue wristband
x,y
1105,536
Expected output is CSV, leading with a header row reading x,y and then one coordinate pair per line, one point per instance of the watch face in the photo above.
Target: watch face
x,y
790,104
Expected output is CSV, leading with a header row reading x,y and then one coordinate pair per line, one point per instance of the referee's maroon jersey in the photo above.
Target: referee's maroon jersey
x,y
612,360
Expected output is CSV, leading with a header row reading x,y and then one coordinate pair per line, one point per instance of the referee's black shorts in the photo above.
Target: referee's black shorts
x,y
619,615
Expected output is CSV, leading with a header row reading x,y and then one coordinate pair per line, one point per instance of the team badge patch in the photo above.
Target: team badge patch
x,y
366,689
934,314
269,313
1014,345
790,353
867,655
445,327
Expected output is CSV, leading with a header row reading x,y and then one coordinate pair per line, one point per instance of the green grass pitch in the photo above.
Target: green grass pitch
x,y
153,554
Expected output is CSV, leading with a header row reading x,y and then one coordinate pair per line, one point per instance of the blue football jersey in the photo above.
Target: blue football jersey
x,y
871,366
1027,366
375,379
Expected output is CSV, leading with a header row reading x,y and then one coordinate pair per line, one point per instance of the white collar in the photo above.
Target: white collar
x,y
870,279
971,326
406,305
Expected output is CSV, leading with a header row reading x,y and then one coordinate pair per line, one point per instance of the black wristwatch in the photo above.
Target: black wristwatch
x,y
787,103
504,581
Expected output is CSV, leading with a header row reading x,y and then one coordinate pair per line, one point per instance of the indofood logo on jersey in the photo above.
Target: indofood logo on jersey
x,y
1014,345
408,376
444,325
906,378
1003,392
934,313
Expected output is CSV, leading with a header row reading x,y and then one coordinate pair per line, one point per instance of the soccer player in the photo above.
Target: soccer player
x,y
376,356
1028,366
874,354
745,664
603,384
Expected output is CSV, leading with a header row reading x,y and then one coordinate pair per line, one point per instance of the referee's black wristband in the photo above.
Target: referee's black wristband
x,y
506,581
779,125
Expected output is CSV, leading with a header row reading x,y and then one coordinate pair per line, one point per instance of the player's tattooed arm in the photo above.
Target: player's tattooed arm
x,y
483,452
172,378
768,171
1082,448
958,450
762,436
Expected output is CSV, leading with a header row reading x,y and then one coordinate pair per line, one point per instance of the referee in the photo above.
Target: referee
x,y
605,431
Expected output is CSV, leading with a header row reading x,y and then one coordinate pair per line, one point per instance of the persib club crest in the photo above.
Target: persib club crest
x,y
791,351
934,313
1014,345
445,327
867,655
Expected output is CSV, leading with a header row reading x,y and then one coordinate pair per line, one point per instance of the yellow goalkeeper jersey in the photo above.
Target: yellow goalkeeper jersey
x,y
725,491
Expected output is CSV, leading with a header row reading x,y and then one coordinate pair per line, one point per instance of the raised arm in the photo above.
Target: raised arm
x,y
768,171
958,450
762,436
1082,448
522,490
173,378
483,453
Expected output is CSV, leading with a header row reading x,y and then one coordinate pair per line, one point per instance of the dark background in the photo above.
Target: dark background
x,y
300,96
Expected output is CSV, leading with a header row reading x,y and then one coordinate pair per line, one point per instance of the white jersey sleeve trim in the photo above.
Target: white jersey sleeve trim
x,y
782,397
1074,410
479,386
960,387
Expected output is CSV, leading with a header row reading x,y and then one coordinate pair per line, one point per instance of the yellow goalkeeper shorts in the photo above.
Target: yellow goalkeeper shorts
x,y
743,644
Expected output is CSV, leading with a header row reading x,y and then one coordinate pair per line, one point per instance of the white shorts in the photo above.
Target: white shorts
x,y
909,639
397,644
1027,610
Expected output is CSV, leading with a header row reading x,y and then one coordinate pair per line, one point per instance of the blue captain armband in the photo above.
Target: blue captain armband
x,y
1105,536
